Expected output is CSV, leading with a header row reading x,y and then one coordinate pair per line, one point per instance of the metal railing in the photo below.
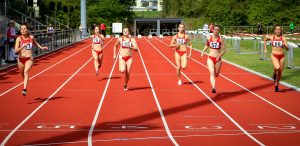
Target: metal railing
x,y
36,24
253,29
54,41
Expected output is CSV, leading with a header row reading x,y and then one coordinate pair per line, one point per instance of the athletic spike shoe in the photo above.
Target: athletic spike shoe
x,y
125,88
276,88
24,92
213,90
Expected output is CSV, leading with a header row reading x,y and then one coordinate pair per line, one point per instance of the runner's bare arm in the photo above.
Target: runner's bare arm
x,y
265,43
205,47
135,46
223,47
190,46
172,42
285,44
102,37
18,48
37,44
115,47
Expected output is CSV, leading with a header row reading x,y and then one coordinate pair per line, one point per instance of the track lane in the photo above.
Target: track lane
x,y
54,106
192,118
12,79
286,99
130,117
263,119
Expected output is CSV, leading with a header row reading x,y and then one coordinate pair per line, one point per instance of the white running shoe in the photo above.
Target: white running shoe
x,y
179,83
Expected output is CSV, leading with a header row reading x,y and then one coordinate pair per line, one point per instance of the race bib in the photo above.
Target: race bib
x,y
126,44
214,45
277,43
180,41
96,40
28,46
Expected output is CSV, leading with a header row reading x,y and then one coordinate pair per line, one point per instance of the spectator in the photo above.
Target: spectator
x,y
259,29
50,28
2,49
50,31
103,27
11,36
205,28
292,26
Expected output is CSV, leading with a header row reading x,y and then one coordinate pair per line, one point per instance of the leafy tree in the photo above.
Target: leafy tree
x,y
235,12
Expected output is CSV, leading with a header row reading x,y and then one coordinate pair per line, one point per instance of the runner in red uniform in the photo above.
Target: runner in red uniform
x,y
23,46
97,48
179,42
277,56
125,60
216,51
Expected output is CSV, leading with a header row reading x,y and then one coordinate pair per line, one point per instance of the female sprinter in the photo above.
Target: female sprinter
x,y
179,41
125,60
23,46
216,51
97,48
277,55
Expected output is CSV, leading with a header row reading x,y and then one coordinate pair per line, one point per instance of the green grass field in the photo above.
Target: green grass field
x,y
253,62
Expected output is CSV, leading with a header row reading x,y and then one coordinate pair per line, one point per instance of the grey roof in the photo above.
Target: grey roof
x,y
155,19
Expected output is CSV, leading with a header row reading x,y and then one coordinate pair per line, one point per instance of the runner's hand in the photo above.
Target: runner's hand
x,y
44,48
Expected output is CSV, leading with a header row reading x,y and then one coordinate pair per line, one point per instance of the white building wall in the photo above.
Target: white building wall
x,y
157,4
138,3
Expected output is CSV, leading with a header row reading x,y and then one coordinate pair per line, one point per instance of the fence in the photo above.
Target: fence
x,y
253,29
54,41
293,55
254,45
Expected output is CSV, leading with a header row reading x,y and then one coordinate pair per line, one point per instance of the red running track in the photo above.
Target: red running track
x,y
67,104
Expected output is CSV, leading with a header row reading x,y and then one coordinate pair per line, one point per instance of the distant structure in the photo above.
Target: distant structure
x,y
147,5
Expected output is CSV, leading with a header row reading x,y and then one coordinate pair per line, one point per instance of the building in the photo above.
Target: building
x,y
147,5
156,26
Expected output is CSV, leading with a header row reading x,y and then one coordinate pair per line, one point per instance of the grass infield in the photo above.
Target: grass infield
x,y
253,62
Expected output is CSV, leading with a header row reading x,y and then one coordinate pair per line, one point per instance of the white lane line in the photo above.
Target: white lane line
x,y
147,130
262,98
213,102
41,105
163,138
90,135
43,71
158,105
